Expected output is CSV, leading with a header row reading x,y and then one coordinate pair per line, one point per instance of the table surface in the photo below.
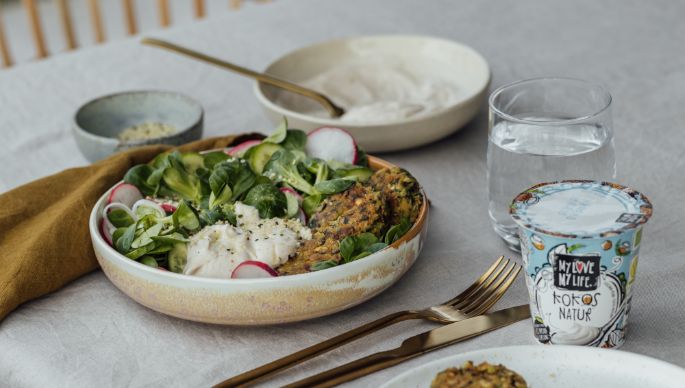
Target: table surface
x,y
90,334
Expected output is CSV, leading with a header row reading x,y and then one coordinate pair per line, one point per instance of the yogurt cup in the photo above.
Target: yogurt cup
x,y
579,242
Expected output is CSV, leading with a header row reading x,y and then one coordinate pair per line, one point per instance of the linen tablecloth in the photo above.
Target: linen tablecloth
x,y
89,334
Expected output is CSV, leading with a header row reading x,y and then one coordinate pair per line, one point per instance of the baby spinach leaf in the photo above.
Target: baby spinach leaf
x,y
311,203
321,173
294,140
282,167
154,180
118,232
149,261
138,252
348,247
243,181
228,213
219,179
192,161
375,247
234,174
333,186
120,218
172,238
396,231
318,266
355,247
279,134
213,158
123,243
177,258
223,197
146,237
182,183
138,176
185,216
304,173
269,201
160,161
163,248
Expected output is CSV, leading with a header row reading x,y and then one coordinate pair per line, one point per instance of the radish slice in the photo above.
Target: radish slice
x,y
149,204
241,148
169,208
253,269
288,190
116,205
124,193
329,143
105,233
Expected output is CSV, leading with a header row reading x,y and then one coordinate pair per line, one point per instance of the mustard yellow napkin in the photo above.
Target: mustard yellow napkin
x,y
44,238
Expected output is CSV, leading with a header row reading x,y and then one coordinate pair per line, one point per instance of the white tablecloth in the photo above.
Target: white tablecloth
x,y
89,334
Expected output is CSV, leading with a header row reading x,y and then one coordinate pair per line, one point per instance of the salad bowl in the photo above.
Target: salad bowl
x,y
260,301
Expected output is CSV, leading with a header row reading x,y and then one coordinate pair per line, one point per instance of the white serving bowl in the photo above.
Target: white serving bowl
x,y
454,61
260,301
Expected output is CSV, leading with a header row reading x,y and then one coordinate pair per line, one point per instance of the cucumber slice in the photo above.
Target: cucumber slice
x,y
293,204
192,161
177,257
260,154
360,174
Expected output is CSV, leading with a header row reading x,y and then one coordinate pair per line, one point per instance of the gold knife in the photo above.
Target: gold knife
x,y
416,346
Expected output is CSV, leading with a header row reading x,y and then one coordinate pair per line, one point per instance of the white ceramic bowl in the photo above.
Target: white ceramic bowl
x,y
456,62
260,301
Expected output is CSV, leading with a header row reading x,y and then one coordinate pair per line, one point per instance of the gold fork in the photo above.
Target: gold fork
x,y
475,300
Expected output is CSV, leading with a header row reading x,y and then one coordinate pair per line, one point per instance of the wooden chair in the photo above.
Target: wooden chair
x,y
33,14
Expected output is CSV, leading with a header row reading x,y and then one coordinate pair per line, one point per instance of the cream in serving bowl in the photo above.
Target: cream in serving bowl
x,y
266,300
398,91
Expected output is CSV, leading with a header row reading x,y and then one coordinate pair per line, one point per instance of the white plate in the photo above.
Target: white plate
x,y
454,61
559,367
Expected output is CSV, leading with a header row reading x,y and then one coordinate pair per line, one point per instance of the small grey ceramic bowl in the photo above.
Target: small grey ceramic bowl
x,y
97,123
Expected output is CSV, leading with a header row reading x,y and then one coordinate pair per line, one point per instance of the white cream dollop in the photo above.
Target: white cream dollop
x,y
576,335
216,250
375,92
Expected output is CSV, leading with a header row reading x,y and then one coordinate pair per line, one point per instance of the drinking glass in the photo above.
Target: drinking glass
x,y
544,130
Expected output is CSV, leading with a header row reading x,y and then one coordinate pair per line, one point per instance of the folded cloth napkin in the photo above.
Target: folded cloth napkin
x,y
44,238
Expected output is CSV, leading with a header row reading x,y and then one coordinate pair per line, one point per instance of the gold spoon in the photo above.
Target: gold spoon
x,y
333,109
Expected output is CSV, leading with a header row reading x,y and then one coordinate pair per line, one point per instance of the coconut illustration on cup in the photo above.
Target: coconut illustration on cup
x,y
606,245
537,242
623,248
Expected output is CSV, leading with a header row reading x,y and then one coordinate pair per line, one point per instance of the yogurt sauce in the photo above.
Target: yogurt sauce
x,y
375,92
216,250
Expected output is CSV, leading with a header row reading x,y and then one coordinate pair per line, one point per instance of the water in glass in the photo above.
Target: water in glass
x,y
521,155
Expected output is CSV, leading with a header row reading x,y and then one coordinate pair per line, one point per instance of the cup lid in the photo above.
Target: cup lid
x,y
580,209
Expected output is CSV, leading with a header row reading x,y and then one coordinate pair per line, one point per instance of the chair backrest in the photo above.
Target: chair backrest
x,y
66,22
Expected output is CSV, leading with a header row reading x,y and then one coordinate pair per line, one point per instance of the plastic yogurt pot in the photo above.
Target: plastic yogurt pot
x,y
580,242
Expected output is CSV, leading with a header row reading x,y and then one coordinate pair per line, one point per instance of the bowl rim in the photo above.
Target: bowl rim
x,y
342,270
140,142
325,121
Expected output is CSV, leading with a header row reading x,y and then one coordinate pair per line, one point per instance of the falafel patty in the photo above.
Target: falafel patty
x,y
401,193
478,376
357,210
